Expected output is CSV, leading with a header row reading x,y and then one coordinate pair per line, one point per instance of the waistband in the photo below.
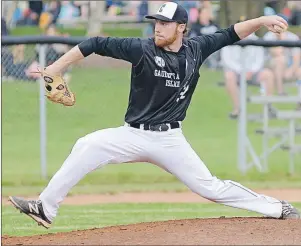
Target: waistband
x,y
163,127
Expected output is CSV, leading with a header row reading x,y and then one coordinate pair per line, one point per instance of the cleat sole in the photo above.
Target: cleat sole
x,y
37,219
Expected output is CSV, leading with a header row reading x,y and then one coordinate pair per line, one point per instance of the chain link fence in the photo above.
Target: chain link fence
x,y
18,61
38,134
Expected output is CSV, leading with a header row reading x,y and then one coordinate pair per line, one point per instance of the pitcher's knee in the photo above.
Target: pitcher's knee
x,y
92,140
209,194
83,143
78,144
209,189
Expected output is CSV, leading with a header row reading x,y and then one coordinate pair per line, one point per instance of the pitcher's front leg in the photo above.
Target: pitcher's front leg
x,y
182,161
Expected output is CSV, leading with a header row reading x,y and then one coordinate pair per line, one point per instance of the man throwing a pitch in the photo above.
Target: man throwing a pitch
x,y
165,72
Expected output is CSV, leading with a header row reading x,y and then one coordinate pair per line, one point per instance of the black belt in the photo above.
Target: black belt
x,y
157,127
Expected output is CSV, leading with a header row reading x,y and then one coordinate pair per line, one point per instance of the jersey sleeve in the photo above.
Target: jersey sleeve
x,y
213,42
128,49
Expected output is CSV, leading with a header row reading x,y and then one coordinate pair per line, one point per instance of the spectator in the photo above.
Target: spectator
x,y
68,11
54,11
296,14
269,10
142,10
4,29
12,60
205,26
32,14
50,14
271,5
36,7
114,7
12,66
191,7
83,7
15,65
255,72
285,62
208,5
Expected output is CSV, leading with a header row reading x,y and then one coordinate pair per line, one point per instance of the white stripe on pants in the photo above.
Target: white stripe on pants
x,y
168,150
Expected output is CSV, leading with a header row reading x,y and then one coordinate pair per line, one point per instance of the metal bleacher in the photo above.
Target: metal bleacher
x,y
285,135
287,116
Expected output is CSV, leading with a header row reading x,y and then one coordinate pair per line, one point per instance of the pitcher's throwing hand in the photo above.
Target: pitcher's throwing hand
x,y
275,23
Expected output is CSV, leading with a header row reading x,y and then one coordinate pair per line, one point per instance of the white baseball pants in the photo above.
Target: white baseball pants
x,y
168,150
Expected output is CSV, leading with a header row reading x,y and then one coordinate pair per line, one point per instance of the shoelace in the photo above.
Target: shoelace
x,y
287,209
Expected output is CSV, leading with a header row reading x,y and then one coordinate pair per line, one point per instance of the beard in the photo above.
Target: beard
x,y
165,41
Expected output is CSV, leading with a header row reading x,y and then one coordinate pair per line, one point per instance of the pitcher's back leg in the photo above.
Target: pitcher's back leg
x,y
114,145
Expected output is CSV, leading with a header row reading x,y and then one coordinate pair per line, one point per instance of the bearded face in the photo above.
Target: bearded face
x,y
162,40
165,33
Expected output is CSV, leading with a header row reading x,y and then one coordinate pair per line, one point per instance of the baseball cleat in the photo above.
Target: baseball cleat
x,y
289,212
31,208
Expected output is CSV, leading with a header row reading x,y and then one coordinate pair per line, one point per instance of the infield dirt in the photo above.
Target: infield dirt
x,y
218,231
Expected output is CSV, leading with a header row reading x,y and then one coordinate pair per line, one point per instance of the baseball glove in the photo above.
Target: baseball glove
x,y
56,89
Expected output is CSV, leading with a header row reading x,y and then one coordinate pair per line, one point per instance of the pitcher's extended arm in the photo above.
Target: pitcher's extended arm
x,y
224,37
274,24
128,49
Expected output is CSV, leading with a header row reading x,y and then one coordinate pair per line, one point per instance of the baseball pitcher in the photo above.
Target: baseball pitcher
x,y
165,72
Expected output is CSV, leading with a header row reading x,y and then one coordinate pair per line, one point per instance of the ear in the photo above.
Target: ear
x,y
181,28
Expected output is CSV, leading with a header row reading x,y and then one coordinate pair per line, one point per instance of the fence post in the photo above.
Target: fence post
x,y
43,153
242,121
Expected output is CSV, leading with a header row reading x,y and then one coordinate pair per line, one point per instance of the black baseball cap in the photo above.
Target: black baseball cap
x,y
170,12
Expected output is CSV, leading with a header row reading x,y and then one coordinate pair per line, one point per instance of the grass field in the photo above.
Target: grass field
x,y
79,32
87,217
108,30
101,102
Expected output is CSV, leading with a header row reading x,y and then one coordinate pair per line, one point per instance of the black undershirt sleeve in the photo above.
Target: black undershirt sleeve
x,y
128,49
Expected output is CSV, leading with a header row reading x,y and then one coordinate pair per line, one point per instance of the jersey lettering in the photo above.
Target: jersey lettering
x,y
172,83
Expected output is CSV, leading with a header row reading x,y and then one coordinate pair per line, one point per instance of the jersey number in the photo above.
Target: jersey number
x,y
182,94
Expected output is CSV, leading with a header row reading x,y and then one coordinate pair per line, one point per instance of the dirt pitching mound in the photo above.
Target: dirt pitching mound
x,y
221,231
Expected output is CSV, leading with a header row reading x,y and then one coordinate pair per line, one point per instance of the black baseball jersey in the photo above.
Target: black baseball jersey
x,y
162,82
